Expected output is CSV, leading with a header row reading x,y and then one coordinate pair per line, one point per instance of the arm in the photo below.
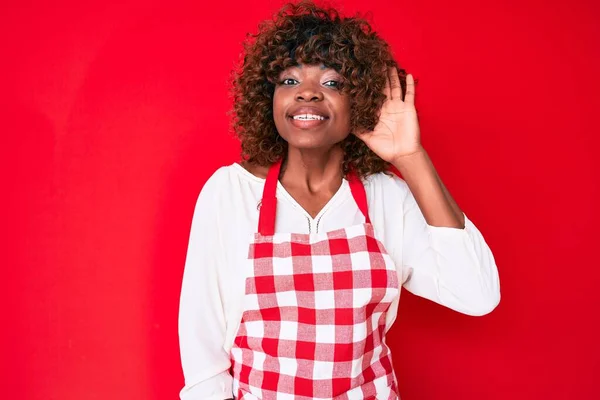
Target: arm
x,y
444,257
434,200
452,266
202,322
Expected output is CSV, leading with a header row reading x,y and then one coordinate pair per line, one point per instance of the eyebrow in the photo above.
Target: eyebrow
x,y
322,66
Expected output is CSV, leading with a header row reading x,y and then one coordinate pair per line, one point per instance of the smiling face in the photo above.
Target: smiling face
x,y
309,109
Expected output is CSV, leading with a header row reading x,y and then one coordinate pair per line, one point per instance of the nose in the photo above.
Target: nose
x,y
309,92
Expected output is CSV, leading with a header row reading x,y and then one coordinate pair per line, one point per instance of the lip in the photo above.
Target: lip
x,y
307,110
307,124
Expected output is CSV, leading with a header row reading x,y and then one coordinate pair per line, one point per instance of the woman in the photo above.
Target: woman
x,y
297,254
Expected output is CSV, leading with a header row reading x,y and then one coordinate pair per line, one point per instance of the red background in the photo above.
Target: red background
x,y
114,115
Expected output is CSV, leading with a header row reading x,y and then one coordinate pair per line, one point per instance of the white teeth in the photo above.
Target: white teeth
x,y
308,117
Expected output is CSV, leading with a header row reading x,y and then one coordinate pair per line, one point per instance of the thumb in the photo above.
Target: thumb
x,y
362,134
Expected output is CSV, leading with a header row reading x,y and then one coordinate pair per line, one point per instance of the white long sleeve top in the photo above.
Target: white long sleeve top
x,y
450,266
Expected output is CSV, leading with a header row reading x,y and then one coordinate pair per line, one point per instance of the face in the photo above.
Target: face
x,y
309,109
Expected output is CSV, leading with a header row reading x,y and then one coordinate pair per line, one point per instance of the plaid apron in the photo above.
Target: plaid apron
x,y
313,324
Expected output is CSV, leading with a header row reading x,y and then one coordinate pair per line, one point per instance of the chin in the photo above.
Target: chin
x,y
307,142
312,140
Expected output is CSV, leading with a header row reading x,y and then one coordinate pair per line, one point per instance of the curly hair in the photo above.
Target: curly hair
x,y
309,34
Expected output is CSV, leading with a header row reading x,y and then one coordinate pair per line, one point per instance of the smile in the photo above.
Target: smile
x,y
308,117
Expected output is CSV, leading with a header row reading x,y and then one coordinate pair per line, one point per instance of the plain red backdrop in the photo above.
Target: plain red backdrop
x,y
114,115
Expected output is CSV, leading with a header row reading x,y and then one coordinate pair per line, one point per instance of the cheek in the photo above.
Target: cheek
x,y
276,101
345,110
278,105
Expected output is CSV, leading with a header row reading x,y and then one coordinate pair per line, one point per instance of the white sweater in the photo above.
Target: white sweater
x,y
450,266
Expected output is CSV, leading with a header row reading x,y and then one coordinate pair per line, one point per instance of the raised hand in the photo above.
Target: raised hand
x,y
397,133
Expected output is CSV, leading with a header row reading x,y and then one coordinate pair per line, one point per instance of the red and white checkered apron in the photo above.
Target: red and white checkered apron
x,y
314,312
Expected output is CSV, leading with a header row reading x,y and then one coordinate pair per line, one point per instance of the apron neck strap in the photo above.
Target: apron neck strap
x,y
268,207
360,195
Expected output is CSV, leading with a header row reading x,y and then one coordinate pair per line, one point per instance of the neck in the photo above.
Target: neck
x,y
313,170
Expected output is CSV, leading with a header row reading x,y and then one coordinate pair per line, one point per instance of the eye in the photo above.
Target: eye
x,y
288,81
332,84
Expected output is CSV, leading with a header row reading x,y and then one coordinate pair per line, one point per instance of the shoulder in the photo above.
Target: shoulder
x,y
228,185
230,176
256,170
386,184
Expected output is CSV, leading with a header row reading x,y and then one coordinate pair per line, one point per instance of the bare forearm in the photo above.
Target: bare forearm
x,y
434,200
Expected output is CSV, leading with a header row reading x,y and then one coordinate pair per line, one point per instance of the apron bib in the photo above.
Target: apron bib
x,y
313,323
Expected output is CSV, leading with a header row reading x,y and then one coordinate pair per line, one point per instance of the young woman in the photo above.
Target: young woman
x,y
298,253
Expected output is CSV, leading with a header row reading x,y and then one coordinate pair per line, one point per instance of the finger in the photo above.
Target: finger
x,y
410,90
396,90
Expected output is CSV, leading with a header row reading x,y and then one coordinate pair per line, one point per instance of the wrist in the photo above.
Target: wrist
x,y
407,161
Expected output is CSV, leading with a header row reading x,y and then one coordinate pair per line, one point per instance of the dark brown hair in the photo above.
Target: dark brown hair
x,y
309,34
